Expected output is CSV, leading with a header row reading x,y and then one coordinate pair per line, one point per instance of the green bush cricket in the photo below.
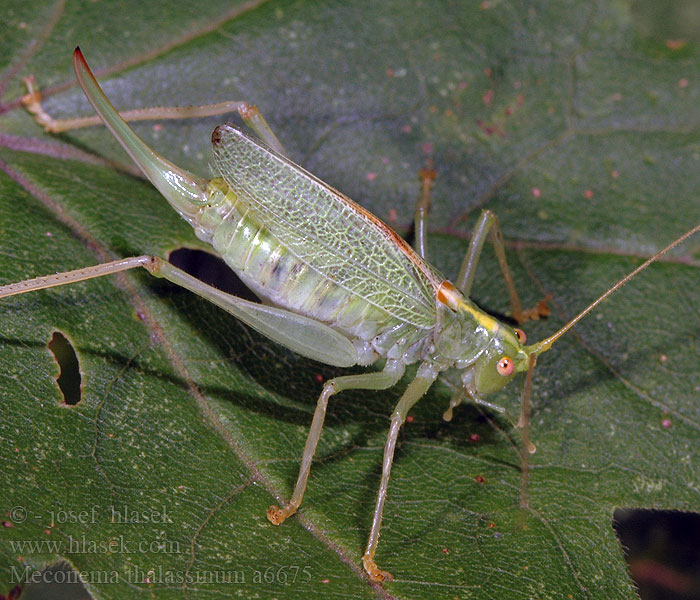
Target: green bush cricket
x,y
339,285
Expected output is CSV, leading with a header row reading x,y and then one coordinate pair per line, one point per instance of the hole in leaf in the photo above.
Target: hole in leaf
x,y
662,549
212,270
59,580
69,378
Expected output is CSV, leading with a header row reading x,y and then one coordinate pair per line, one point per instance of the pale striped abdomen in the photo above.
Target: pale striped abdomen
x,y
281,278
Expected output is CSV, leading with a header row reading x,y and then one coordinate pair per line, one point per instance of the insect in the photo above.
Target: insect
x,y
338,285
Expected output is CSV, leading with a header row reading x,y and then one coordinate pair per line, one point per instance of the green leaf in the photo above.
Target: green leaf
x,y
565,118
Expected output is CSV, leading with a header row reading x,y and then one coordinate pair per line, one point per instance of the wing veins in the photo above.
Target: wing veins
x,y
288,174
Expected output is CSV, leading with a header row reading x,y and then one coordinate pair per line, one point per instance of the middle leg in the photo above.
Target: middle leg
x,y
366,381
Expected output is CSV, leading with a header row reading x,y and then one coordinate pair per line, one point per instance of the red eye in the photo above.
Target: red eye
x,y
520,334
505,366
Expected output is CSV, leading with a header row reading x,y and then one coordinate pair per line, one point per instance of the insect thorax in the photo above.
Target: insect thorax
x,y
458,339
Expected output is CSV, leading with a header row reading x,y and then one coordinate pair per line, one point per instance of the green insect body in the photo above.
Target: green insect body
x,y
383,301
338,285
264,243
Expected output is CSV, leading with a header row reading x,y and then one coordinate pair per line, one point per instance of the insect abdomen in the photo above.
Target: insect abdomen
x,y
280,278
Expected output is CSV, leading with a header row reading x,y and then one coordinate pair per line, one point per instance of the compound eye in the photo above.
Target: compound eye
x,y
505,366
520,334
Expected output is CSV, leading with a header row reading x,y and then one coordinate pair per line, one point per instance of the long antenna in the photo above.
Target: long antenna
x,y
546,343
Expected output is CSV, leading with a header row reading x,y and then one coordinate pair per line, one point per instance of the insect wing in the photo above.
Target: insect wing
x,y
327,230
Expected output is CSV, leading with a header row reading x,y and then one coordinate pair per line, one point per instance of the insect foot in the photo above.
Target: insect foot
x,y
374,572
540,311
277,516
